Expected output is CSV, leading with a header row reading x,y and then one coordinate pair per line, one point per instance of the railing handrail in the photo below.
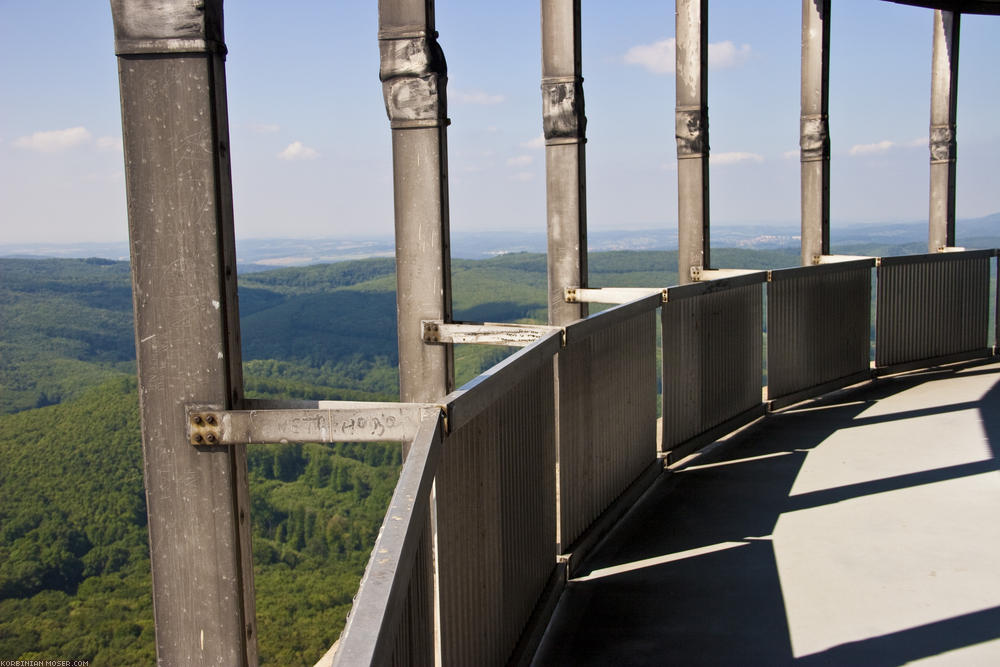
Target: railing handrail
x,y
465,403
368,637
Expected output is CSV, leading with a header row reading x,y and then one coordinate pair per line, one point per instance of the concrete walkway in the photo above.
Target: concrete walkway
x,y
863,529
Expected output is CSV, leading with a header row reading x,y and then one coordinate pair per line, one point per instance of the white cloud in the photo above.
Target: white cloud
x,y
919,142
298,151
537,142
868,149
727,54
474,97
659,57
109,143
734,158
789,155
54,140
520,161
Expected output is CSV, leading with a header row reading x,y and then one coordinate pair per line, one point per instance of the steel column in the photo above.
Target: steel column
x,y
176,138
814,132
692,138
944,96
564,125
414,78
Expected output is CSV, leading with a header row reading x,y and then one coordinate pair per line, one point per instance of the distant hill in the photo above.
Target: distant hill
x,y
272,253
74,568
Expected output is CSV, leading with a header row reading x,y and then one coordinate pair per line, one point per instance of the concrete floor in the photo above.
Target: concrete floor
x,y
863,529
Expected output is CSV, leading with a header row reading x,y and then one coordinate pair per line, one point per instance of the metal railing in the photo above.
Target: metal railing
x,y
932,308
526,462
712,360
607,411
818,328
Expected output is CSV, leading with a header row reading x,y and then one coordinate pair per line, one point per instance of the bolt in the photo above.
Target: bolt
x,y
198,439
211,420
211,439
197,420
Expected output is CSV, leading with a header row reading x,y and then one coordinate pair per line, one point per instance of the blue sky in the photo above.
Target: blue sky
x,y
311,146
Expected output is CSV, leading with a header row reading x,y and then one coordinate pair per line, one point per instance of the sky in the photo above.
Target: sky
x,y
310,142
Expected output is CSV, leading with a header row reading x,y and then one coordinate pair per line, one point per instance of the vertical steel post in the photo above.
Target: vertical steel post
x,y
692,138
814,132
944,96
414,77
175,131
564,124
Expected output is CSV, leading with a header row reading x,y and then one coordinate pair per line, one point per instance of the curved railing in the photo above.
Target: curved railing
x,y
531,460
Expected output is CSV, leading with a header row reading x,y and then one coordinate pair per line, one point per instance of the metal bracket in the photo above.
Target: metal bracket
x,y
203,426
328,421
613,295
439,332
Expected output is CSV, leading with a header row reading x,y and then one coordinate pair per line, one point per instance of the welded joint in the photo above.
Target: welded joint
x,y
167,27
691,132
942,143
414,78
563,116
814,137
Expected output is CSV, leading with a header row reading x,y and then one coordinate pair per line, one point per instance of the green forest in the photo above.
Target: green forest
x,y
74,561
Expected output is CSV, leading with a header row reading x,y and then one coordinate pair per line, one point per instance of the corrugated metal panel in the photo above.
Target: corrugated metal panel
x,y
818,326
495,503
607,416
712,359
415,637
932,306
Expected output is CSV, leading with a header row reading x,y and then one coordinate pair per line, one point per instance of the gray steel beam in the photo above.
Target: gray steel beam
x,y
692,138
944,96
564,123
414,77
176,138
814,132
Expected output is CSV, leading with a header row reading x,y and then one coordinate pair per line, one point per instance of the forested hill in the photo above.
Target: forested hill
x,y
74,568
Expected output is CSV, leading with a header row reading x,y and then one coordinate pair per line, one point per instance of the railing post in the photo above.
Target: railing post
x,y
814,131
414,77
176,138
564,123
944,95
692,138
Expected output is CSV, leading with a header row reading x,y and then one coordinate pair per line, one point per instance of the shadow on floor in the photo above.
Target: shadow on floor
x,y
689,576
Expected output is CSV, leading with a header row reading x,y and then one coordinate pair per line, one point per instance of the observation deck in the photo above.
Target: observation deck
x,y
855,529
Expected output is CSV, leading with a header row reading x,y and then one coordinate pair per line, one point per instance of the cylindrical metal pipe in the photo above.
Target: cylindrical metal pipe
x,y
814,134
944,97
691,124
414,78
564,123
176,139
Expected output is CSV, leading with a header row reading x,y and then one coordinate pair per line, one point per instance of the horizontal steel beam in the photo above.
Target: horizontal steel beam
x,y
719,274
615,295
335,422
439,332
